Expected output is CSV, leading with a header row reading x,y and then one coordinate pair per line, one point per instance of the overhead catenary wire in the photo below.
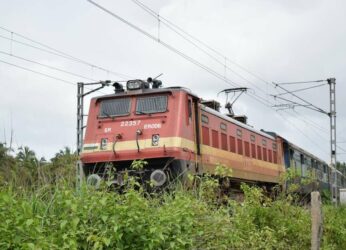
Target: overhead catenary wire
x,y
183,34
46,66
39,73
180,53
43,74
204,44
91,65
52,51
174,28
176,51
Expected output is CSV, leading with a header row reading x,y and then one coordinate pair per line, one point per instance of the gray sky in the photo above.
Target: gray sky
x,y
280,41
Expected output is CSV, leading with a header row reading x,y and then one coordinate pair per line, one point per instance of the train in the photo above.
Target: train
x,y
178,133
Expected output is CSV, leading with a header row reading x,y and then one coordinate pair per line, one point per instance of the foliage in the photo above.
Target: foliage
x,y
334,233
26,170
223,171
138,164
41,209
61,218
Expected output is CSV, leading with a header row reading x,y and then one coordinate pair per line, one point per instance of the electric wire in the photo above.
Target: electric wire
x,y
78,60
168,23
43,74
39,73
61,54
47,66
156,15
179,52
222,56
173,49
173,28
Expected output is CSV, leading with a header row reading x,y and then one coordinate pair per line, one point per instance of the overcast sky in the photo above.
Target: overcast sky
x,y
280,41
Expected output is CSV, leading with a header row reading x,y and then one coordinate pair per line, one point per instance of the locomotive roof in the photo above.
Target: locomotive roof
x,y
148,91
240,124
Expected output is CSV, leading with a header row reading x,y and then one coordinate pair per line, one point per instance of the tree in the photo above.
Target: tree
x,y
27,158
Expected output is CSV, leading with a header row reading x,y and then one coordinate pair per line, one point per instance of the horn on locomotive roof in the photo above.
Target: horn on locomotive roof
x,y
118,87
229,104
155,83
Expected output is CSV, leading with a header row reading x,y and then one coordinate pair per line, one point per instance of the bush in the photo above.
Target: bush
x,y
61,218
40,209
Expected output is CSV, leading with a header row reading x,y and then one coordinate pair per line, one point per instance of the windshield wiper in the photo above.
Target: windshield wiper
x,y
143,113
107,115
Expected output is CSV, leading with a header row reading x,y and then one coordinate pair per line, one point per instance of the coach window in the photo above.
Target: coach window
x,y
205,135
264,154
215,138
253,150
302,162
247,148
259,152
270,157
224,141
205,119
232,144
275,156
240,146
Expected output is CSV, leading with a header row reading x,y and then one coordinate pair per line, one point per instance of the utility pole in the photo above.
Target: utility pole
x,y
332,115
80,116
80,123
80,109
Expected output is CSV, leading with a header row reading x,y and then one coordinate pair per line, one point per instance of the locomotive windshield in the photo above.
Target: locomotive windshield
x,y
151,104
114,107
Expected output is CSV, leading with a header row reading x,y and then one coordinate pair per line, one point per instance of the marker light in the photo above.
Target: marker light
x,y
155,140
104,142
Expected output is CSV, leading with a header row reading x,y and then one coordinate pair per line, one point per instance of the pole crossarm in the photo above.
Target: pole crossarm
x,y
286,83
298,97
299,90
296,104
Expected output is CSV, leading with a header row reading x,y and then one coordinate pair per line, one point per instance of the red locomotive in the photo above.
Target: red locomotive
x,y
178,133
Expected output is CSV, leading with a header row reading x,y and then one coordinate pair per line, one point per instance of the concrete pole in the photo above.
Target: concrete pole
x,y
316,220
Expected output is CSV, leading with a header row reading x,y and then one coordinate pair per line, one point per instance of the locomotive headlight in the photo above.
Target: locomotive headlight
x,y
104,142
134,84
155,140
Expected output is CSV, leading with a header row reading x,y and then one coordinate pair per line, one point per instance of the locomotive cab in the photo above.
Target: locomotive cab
x,y
154,124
